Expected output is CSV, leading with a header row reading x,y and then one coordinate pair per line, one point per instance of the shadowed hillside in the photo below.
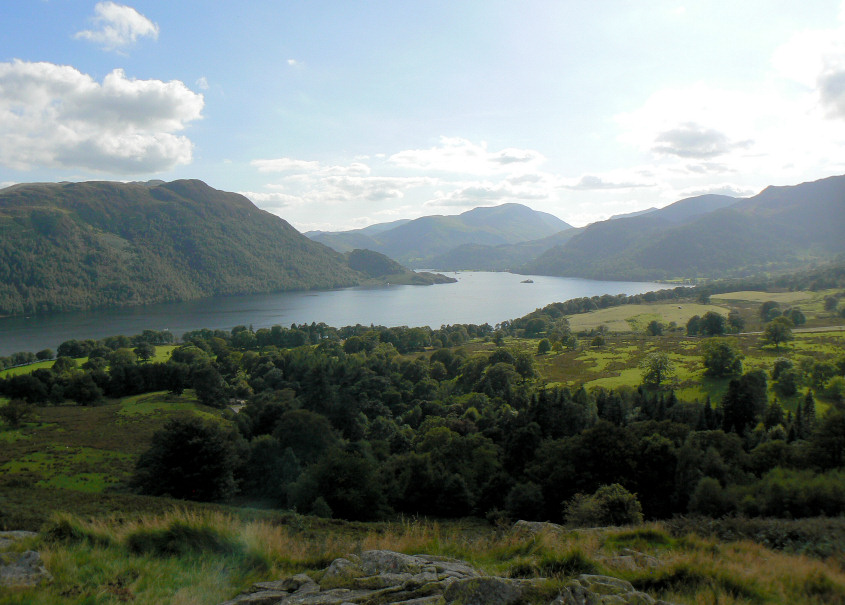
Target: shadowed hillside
x,y
709,236
83,245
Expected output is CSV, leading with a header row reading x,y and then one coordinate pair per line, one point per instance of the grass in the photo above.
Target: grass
x,y
207,556
163,353
69,454
627,318
616,364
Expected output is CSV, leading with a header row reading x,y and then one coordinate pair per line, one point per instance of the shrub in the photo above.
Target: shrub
x,y
181,538
609,505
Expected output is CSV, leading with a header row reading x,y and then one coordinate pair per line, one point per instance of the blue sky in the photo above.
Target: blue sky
x,y
336,115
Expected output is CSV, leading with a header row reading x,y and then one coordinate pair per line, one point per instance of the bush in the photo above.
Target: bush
x,y
179,539
609,505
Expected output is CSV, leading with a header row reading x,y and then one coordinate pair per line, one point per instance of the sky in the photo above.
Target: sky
x,y
339,114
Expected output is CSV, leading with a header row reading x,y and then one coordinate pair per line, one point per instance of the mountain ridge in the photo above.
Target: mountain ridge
x,y
417,242
71,246
778,228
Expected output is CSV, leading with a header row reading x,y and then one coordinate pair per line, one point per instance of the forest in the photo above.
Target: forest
x,y
366,422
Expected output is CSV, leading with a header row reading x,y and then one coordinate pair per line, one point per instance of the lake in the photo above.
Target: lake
x,y
477,297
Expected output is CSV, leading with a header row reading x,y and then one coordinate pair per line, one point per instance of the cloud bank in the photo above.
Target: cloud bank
x,y
55,116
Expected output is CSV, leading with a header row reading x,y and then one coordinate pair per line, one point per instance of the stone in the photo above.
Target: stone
x,y
488,591
389,578
387,561
9,538
605,584
23,570
532,528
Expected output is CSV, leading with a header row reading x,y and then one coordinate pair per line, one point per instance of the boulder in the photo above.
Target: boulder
x,y
23,570
382,577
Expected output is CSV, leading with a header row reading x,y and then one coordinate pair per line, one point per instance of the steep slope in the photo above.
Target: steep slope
x,y
83,245
709,236
416,243
503,257
383,270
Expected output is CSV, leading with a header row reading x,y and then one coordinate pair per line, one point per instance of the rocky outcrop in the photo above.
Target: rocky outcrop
x,y
381,577
20,569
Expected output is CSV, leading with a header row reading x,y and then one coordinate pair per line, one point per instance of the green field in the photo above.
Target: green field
x,y
635,318
163,353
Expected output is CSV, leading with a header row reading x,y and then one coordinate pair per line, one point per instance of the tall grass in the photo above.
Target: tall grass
x,y
207,556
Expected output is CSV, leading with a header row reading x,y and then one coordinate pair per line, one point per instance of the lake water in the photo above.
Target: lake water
x,y
477,297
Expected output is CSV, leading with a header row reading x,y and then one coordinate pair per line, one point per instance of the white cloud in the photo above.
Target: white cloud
x,y
202,83
521,189
55,116
312,182
291,165
690,140
461,156
272,200
729,189
591,182
117,26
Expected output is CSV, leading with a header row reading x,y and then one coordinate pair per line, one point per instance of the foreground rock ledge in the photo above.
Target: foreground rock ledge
x,y
379,577
20,570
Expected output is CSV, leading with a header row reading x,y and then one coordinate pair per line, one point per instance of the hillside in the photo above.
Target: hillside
x,y
418,242
83,245
709,236
382,270
504,257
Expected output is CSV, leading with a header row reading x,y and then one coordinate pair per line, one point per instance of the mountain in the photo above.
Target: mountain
x,y
416,243
382,269
630,214
84,245
504,257
709,236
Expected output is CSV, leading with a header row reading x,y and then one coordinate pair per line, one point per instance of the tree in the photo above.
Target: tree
x,y
190,459
721,358
45,354
694,325
654,328
777,331
713,324
796,316
349,483
524,365
145,351
544,347
769,310
15,412
735,321
656,367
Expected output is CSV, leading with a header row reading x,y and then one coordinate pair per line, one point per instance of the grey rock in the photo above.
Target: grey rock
x,y
9,538
25,569
488,591
389,578
605,585
387,561
261,597
532,528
